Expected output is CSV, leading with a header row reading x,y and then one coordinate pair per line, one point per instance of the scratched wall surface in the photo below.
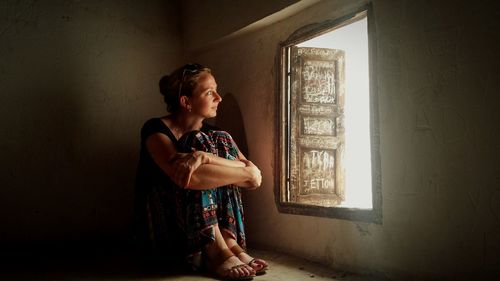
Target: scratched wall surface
x,y
77,80
437,74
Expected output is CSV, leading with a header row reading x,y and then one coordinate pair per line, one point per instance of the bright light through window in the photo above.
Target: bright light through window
x,y
328,157
353,40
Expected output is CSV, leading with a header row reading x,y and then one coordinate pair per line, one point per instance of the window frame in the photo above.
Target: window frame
x,y
282,140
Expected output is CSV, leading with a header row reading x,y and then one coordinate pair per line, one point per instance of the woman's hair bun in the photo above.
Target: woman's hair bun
x,y
180,82
164,85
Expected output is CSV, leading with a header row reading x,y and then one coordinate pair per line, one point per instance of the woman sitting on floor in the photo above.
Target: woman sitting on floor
x,y
189,178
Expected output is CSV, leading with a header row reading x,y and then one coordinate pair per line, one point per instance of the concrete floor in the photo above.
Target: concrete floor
x,y
124,267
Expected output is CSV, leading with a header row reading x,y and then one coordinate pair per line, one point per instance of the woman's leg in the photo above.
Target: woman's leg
x,y
222,261
230,207
204,235
258,265
220,258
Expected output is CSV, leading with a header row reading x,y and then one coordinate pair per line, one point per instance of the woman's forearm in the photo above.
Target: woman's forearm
x,y
209,176
216,160
247,185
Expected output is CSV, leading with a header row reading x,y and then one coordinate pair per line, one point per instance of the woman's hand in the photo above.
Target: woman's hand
x,y
185,164
255,175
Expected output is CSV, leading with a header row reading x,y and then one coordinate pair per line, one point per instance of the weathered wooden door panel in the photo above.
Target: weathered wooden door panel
x,y
317,126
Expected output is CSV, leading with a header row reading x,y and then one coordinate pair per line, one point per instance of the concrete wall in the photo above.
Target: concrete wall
x,y
77,80
437,77
206,20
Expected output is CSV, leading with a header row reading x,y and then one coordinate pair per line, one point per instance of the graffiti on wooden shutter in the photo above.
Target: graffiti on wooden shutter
x,y
317,126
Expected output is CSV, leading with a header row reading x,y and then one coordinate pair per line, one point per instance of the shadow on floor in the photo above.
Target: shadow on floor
x,y
101,263
86,262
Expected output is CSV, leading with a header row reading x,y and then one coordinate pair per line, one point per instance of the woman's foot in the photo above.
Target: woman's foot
x,y
235,269
223,262
259,265
232,268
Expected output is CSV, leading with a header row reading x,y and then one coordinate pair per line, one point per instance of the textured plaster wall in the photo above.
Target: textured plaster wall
x,y
77,79
437,85
207,20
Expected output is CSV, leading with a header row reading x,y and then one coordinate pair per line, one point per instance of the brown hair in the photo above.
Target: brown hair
x,y
181,82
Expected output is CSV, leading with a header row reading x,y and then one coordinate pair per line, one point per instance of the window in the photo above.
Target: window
x,y
328,157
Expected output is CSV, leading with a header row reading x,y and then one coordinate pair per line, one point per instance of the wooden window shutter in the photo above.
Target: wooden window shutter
x,y
317,126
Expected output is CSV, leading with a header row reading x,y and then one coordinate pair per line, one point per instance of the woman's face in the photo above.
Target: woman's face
x,y
205,99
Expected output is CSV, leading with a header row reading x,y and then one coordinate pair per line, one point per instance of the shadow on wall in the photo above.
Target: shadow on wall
x,y
229,118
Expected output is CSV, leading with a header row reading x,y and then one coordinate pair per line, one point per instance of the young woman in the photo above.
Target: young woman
x,y
189,179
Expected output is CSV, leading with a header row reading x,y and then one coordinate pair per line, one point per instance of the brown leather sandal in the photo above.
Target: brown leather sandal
x,y
236,250
222,257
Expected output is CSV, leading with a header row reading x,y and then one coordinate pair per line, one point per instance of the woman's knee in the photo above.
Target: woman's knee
x,y
225,144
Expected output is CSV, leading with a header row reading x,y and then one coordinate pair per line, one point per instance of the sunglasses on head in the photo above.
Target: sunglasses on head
x,y
191,68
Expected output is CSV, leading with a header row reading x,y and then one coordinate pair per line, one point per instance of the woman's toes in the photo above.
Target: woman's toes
x,y
250,270
235,268
240,272
256,264
245,271
235,273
